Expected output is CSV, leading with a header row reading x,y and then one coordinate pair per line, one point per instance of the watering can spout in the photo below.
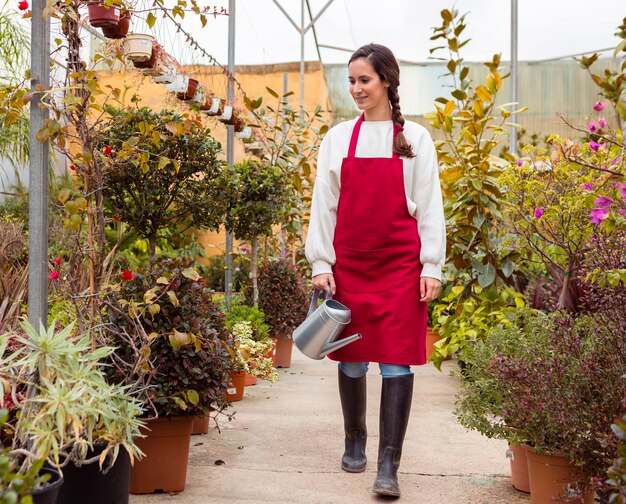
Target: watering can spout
x,y
331,346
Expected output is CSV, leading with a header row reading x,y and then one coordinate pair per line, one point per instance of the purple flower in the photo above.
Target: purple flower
x,y
520,162
599,106
598,215
615,161
603,201
587,187
538,212
592,126
622,211
622,188
602,122
594,146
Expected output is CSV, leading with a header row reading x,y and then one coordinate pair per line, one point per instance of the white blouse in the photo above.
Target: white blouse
x,y
421,186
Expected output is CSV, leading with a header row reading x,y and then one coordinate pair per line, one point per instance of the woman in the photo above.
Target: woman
x,y
376,240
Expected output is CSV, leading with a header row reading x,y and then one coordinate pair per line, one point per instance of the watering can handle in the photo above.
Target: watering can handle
x,y
316,296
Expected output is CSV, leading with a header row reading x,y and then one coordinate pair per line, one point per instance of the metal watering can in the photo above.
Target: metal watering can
x,y
317,336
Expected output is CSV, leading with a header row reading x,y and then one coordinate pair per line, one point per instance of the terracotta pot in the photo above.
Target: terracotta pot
x,y
549,476
200,425
432,337
166,446
282,358
192,85
519,467
249,380
208,103
101,16
120,30
234,392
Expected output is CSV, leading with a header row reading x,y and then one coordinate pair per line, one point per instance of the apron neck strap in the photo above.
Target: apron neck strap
x,y
355,137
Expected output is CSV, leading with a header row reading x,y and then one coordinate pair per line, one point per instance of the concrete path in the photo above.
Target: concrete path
x,y
286,443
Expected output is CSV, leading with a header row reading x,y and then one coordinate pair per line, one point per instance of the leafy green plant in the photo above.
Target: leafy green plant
x,y
67,405
253,356
172,185
241,313
477,255
257,199
283,296
171,342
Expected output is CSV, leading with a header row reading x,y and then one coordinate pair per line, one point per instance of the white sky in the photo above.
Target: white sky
x,y
547,28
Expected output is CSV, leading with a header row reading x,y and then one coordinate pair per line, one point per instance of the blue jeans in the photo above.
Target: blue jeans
x,y
359,369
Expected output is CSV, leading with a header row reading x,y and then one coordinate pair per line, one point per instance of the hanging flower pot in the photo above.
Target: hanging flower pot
x,y
163,74
190,91
120,30
238,123
179,84
200,96
151,61
208,103
227,114
138,46
216,107
101,15
245,133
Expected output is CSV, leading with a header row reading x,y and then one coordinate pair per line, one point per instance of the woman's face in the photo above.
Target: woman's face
x,y
366,88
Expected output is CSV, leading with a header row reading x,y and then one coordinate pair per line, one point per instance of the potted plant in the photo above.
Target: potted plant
x,y
172,346
138,46
284,299
103,13
66,414
190,92
120,30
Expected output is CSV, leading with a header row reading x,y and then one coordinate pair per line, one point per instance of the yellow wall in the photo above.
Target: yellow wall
x,y
252,79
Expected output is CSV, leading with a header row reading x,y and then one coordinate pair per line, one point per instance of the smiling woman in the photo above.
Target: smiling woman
x,y
376,240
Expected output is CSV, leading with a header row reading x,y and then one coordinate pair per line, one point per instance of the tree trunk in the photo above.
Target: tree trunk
x,y
253,272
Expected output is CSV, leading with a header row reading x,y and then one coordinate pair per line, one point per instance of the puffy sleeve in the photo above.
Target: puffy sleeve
x,y
426,194
319,248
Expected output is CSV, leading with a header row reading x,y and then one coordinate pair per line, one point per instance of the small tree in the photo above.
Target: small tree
x,y
258,198
172,183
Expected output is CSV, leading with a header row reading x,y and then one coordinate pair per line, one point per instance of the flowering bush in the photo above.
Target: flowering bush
x,y
253,356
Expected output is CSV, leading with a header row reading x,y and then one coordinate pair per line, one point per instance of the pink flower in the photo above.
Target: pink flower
x,y
23,5
592,126
587,187
599,106
598,215
602,122
603,201
54,275
127,275
615,161
538,213
520,162
594,146
622,188
57,261
622,211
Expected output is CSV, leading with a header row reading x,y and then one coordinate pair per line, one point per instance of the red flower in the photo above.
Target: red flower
x,y
72,167
23,5
117,217
54,275
57,261
107,150
127,275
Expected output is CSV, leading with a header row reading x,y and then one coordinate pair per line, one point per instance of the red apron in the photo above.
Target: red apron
x,y
378,267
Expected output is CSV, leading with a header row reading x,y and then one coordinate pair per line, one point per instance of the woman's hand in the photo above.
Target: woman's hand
x,y
429,289
323,281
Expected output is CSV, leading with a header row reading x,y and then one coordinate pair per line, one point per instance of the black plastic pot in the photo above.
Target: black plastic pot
x,y
48,493
87,484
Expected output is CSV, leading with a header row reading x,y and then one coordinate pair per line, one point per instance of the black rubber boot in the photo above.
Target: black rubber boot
x,y
395,408
353,394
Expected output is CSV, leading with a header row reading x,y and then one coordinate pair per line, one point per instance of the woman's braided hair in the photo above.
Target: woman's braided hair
x,y
386,66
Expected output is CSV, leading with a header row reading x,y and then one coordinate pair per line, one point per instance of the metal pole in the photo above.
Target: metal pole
x,y
513,140
230,134
38,171
302,33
